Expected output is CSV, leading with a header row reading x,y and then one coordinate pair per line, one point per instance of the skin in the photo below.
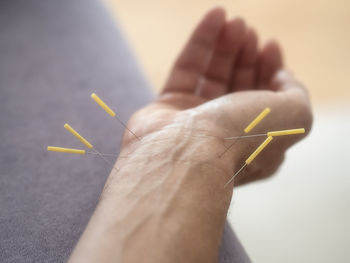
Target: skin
x,y
166,201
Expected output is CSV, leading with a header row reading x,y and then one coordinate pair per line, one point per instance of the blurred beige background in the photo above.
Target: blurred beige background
x,y
314,34
302,214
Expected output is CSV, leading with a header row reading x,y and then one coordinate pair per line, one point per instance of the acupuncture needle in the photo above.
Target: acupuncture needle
x,y
270,133
249,128
251,158
75,151
111,113
65,150
84,141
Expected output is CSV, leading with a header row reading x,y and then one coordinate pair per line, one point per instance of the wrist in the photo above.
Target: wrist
x,y
168,183
181,146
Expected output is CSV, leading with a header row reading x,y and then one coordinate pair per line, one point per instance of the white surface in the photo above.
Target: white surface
x,y
303,213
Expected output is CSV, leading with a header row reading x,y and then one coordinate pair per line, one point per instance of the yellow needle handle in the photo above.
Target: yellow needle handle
x,y
102,104
65,150
258,119
286,132
258,150
76,134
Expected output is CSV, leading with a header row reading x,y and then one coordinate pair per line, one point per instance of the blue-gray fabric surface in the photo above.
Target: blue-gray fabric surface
x,y
53,55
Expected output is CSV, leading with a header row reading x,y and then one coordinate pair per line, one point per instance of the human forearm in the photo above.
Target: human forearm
x,y
165,204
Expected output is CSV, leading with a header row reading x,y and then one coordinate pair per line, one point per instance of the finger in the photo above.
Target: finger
x,y
243,75
194,59
218,73
269,62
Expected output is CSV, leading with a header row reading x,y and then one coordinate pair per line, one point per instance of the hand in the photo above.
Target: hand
x,y
168,201
219,84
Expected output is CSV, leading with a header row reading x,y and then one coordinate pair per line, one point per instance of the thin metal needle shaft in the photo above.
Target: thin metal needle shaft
x,y
228,148
126,127
233,177
97,152
104,154
245,136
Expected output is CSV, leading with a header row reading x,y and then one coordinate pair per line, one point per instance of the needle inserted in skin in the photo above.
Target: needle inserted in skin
x,y
234,176
126,127
251,158
271,133
111,112
84,141
228,148
76,151
245,136
250,127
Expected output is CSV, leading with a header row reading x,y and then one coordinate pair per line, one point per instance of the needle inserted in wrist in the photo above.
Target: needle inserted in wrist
x,y
251,158
111,112
270,133
84,141
249,128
